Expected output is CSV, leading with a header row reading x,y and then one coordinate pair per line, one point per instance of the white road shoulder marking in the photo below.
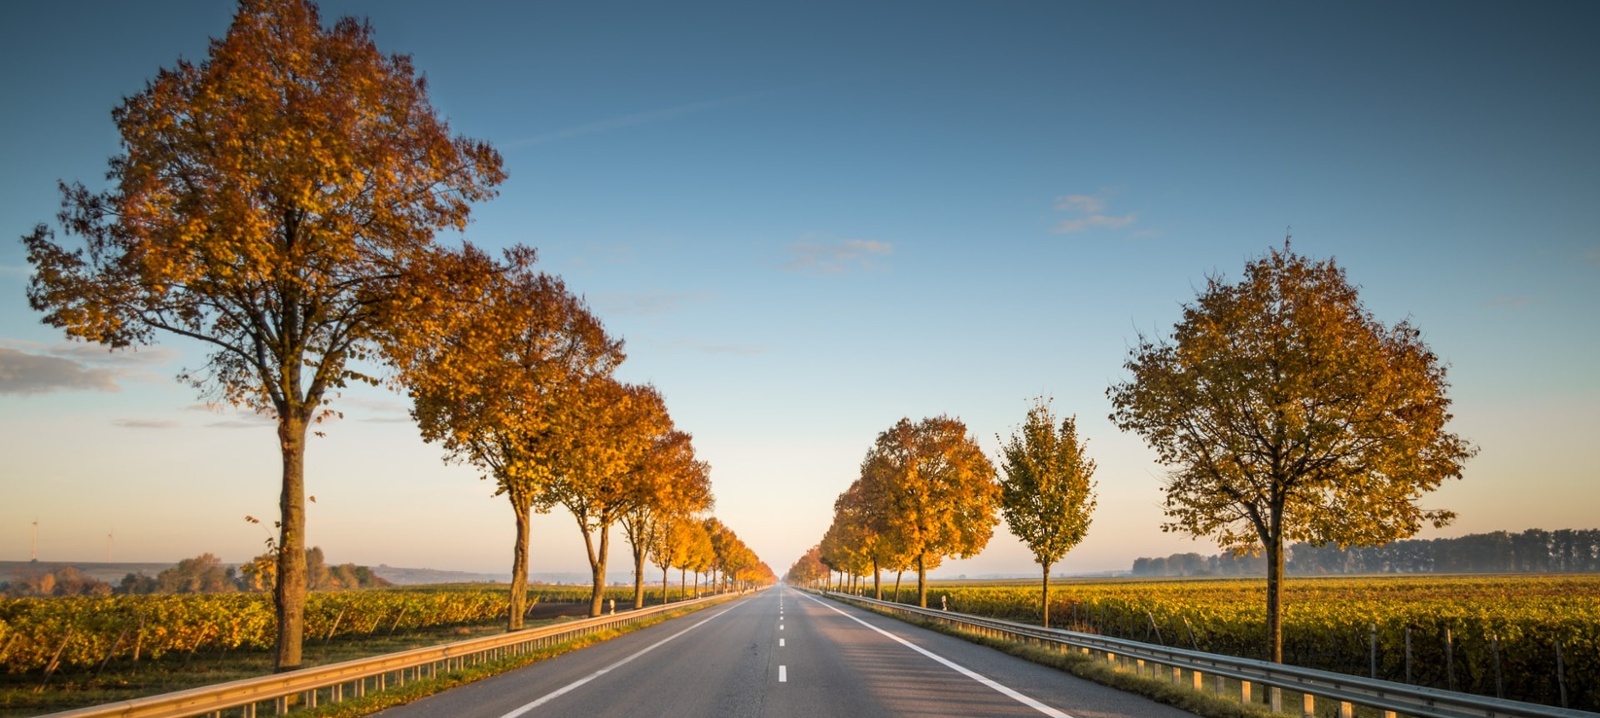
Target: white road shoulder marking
x,y
783,674
573,685
1003,690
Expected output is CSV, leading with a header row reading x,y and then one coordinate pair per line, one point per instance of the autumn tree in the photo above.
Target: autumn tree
x,y
670,483
808,569
263,203
1288,412
937,490
698,554
596,475
494,368
1047,495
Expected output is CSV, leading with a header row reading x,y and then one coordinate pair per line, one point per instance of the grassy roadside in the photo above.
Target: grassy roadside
x,y
1082,666
25,694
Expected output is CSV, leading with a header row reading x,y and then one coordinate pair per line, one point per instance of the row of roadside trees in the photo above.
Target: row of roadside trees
x,y
278,202
927,492
1283,409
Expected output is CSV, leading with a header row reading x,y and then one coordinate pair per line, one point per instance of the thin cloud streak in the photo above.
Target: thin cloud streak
x,y
626,121
144,423
813,255
1090,209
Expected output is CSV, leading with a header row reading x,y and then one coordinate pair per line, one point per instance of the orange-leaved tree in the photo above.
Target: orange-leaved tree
x,y
596,477
671,483
494,367
937,490
264,203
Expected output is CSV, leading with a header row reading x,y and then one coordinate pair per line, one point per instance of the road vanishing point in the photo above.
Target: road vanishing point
x,y
782,653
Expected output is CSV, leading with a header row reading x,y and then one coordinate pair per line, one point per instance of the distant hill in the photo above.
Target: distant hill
x,y
109,572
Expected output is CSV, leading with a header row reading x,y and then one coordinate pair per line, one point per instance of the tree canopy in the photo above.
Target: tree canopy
x,y
937,490
1047,494
1288,412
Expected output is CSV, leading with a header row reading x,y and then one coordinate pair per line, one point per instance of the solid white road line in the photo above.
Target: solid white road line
x,y
570,686
1018,697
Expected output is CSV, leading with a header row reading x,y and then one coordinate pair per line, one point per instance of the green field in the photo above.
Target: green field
x,y
1503,630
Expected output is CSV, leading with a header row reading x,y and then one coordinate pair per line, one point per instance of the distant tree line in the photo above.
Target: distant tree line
x,y
1532,551
202,574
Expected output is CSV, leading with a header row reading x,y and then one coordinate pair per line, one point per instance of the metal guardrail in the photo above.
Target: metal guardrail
x,y
1394,699
280,692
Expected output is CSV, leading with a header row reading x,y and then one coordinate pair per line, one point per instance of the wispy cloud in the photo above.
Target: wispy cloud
x,y
145,423
818,254
646,304
28,373
636,119
1089,212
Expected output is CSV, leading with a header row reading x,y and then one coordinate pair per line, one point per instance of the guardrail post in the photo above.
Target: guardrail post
x,y
1199,682
1346,710
248,711
1177,676
1138,667
1244,691
1308,706
280,705
1275,699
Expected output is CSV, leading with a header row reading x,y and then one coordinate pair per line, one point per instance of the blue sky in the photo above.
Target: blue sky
x,y
810,221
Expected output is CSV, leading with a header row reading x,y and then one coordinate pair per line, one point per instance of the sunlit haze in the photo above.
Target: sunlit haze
x,y
808,222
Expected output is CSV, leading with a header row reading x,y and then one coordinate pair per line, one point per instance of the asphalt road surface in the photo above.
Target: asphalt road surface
x,y
783,653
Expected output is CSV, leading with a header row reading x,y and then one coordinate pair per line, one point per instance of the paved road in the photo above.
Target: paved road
x,y
781,654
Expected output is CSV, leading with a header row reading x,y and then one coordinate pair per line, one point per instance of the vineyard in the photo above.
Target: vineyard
x,y
48,634
1495,635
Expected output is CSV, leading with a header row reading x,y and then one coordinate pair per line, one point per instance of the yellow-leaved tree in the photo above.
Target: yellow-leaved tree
x,y
265,202
495,367
671,484
598,473
1288,412
937,491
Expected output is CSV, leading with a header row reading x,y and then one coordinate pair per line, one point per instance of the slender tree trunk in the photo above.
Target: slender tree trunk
x,y
1046,612
877,590
683,582
289,596
1274,548
519,563
597,564
638,578
696,584
665,571
922,581
897,574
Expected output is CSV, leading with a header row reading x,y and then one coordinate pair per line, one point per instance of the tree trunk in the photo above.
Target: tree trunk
x,y
665,571
1046,612
1274,547
597,564
289,596
638,578
922,581
897,574
519,563
877,590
